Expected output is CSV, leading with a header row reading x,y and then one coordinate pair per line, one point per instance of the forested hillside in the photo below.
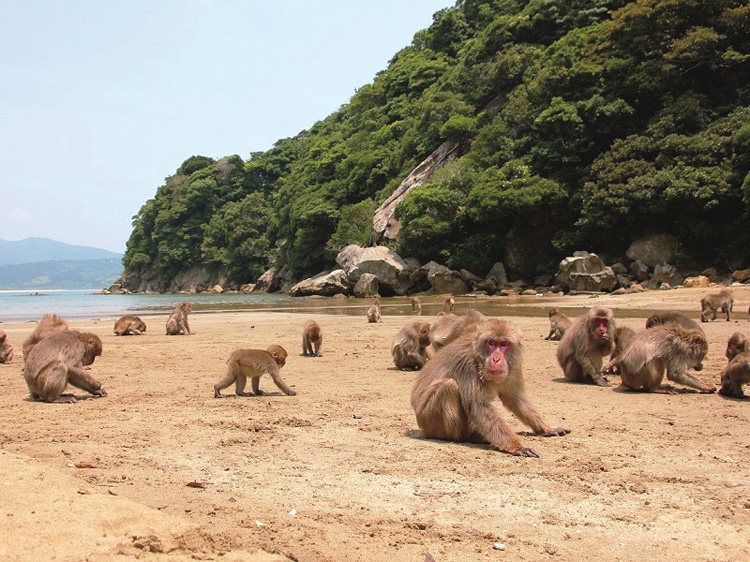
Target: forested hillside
x,y
582,125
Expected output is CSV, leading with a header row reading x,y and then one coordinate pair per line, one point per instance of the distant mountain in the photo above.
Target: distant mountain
x,y
60,274
40,263
32,250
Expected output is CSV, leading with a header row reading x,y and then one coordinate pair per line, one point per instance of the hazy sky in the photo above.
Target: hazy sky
x,y
101,100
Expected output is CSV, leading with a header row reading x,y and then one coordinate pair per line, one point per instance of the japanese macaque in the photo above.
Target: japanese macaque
x,y
447,327
129,325
312,339
373,313
48,325
416,305
669,348
623,337
735,374
558,323
453,394
57,361
6,350
582,347
711,304
736,344
252,364
409,347
177,323
449,304
677,319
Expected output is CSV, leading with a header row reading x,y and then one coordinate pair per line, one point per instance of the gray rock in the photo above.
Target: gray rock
x,y
585,272
653,250
366,287
325,285
392,272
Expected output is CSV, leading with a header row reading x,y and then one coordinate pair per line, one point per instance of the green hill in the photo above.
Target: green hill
x,y
579,125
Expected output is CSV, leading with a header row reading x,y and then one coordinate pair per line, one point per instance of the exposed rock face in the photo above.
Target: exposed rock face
x,y
653,250
384,223
147,281
391,271
267,283
325,284
194,279
585,272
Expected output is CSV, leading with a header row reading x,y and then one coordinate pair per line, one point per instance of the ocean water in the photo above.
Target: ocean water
x,y
21,306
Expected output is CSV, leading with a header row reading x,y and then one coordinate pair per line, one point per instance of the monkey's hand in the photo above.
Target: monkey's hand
x,y
100,392
708,390
525,452
555,432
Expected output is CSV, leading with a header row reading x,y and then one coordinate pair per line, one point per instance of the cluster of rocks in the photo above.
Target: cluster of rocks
x,y
378,271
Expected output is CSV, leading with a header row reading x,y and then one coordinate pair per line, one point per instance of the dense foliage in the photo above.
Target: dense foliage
x,y
582,125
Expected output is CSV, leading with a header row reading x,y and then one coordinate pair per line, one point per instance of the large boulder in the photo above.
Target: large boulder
x,y
441,279
324,285
269,282
367,287
392,272
585,272
665,274
653,250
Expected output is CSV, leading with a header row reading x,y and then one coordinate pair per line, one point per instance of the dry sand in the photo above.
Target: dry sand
x,y
336,473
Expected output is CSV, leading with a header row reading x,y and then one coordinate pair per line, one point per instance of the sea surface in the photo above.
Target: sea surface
x,y
22,306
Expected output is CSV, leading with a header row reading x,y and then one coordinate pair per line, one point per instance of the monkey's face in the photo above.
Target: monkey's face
x,y
601,325
496,362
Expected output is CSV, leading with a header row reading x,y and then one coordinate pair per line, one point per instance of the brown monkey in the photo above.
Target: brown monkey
x,y
373,313
623,337
58,360
447,327
711,304
558,323
449,303
736,344
582,347
312,339
129,325
6,350
672,317
416,305
409,347
669,348
253,364
452,396
48,325
735,374
177,323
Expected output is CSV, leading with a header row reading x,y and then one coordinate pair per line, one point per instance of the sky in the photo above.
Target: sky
x,y
100,101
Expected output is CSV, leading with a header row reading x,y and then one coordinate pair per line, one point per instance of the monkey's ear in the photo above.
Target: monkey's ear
x,y
91,341
274,354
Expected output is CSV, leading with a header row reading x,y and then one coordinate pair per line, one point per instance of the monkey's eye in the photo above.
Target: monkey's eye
x,y
501,344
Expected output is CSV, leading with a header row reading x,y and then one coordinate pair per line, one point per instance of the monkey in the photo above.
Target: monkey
x,y
373,313
48,325
582,347
177,323
735,374
416,305
253,364
57,361
409,347
129,325
678,319
711,304
449,303
6,350
669,348
447,327
312,339
558,323
453,394
736,344
623,336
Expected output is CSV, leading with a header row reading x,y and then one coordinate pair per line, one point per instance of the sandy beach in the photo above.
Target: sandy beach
x,y
161,470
